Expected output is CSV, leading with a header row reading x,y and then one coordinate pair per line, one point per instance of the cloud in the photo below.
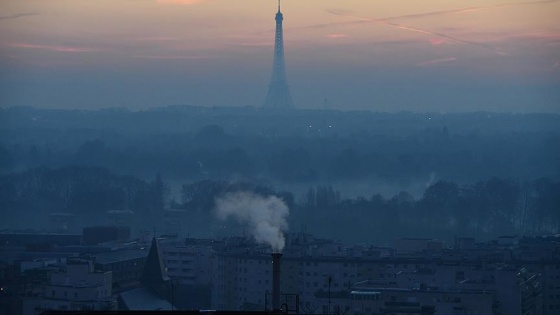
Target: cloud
x,y
170,57
539,35
437,41
419,30
467,10
255,44
327,25
66,49
17,15
335,36
425,14
458,11
156,39
435,61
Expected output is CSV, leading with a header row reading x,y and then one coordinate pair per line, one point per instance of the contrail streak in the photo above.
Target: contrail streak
x,y
17,15
434,13
418,30
469,9
436,61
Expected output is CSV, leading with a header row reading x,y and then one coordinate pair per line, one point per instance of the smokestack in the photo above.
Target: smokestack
x,y
276,257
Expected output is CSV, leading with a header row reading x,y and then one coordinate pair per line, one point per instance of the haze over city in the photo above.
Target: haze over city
x,y
436,55
266,158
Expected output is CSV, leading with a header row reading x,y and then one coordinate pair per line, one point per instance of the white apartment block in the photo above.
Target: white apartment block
x,y
76,286
190,265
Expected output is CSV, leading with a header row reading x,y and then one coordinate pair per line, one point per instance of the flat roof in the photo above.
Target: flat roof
x,y
120,255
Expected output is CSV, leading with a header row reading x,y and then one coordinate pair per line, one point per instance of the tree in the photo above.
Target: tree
x,y
438,203
160,192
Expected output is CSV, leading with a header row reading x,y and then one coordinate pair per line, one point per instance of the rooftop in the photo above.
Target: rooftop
x,y
120,255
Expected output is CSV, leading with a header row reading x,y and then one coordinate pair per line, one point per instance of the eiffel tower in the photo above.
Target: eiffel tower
x,y
278,95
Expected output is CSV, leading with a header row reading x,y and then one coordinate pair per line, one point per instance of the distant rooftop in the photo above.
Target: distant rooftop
x,y
120,212
120,255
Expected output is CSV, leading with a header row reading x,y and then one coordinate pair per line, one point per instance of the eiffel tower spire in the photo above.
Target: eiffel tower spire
x,y
278,95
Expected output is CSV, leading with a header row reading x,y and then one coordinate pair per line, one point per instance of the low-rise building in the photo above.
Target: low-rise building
x,y
75,286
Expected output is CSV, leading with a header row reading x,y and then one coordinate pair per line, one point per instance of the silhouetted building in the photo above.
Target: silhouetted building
x,y
100,234
278,95
15,238
126,265
155,289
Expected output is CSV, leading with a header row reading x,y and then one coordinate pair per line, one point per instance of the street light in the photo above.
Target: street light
x,y
330,280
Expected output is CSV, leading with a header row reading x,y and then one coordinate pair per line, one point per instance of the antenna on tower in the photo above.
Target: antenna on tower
x,y
278,5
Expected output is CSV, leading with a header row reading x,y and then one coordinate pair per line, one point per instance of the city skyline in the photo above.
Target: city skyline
x,y
382,56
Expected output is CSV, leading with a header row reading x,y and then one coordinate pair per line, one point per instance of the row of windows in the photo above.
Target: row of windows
x,y
315,274
365,297
183,262
177,269
126,264
180,254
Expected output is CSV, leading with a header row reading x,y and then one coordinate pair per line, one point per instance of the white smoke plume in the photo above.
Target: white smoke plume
x,y
266,217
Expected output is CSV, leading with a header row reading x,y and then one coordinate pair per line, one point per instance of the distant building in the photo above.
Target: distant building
x,y
412,245
101,234
126,265
62,221
173,220
9,289
327,277
465,243
155,289
119,217
16,238
75,286
191,265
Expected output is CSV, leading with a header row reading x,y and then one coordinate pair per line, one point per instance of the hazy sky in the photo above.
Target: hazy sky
x,y
382,55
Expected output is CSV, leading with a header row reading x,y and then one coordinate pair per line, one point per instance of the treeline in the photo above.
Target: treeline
x,y
301,147
211,153
484,209
28,198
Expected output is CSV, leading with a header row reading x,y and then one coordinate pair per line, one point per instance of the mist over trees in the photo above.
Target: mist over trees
x,y
29,197
484,209
296,146
359,176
